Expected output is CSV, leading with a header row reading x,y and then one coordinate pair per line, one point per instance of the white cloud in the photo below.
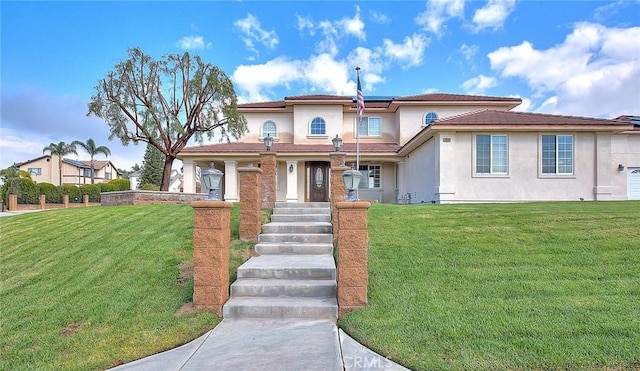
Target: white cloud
x,y
594,72
328,75
410,52
379,17
305,23
30,112
469,51
525,106
252,33
493,14
438,12
253,79
479,84
192,42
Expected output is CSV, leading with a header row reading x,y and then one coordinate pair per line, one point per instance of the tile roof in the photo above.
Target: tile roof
x,y
241,147
383,101
493,117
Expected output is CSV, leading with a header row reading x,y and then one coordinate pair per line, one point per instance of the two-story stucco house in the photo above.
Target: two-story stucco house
x,y
45,169
432,148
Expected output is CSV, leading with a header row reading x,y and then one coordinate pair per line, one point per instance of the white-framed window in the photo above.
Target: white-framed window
x,y
269,127
107,176
492,154
430,117
370,176
318,126
34,171
87,173
556,154
370,127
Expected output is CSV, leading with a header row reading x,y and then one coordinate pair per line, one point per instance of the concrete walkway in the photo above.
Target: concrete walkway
x,y
268,345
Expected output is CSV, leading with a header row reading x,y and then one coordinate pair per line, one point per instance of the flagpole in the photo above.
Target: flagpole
x,y
358,123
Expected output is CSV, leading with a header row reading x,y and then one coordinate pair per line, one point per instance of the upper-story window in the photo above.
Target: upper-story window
x,y
429,118
318,126
270,128
370,127
34,171
557,154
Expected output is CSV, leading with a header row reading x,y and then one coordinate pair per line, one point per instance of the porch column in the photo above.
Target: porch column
x,y
211,236
231,181
352,250
446,183
604,167
250,202
269,168
189,176
292,181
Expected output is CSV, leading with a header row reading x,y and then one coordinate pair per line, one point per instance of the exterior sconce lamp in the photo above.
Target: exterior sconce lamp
x,y
211,179
620,167
337,142
351,180
291,168
268,142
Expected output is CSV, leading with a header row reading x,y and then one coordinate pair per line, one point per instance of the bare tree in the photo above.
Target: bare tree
x,y
167,102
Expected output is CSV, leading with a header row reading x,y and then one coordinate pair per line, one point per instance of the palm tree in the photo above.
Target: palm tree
x,y
14,171
60,149
91,148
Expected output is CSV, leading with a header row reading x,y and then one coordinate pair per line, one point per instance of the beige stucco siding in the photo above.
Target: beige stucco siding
x,y
304,114
419,171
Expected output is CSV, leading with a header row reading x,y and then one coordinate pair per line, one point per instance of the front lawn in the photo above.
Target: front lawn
x,y
91,288
532,286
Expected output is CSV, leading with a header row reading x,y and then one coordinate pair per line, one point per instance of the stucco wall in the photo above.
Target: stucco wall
x,y
420,174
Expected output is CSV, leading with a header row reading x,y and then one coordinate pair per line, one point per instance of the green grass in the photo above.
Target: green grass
x,y
90,288
510,286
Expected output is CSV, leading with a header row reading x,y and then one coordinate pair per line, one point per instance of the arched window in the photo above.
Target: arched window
x,y
318,126
269,127
429,118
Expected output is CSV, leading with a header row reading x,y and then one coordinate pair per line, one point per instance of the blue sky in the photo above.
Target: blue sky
x,y
562,57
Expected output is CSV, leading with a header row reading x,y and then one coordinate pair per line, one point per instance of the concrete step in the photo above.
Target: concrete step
x,y
280,308
308,227
306,218
309,205
296,237
320,267
283,288
288,248
301,211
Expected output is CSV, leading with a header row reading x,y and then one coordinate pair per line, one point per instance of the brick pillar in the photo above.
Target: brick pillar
x,y
65,201
338,191
85,200
13,202
353,244
211,236
250,202
269,168
43,201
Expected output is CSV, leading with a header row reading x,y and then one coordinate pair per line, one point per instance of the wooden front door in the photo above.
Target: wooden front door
x,y
319,189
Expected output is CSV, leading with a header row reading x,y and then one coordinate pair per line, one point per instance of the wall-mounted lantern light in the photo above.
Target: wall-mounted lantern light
x,y
337,142
211,179
268,142
620,167
291,168
351,180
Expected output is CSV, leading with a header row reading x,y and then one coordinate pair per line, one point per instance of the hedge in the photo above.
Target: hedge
x,y
93,190
51,193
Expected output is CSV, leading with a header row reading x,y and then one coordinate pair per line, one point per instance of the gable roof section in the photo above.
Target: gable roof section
x,y
509,121
383,102
526,120
32,160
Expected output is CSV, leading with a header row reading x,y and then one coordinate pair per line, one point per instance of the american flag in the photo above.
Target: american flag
x,y
360,101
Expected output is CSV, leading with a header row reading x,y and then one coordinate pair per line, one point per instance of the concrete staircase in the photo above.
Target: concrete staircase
x,y
295,275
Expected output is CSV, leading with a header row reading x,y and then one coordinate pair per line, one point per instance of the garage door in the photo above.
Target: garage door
x,y
634,184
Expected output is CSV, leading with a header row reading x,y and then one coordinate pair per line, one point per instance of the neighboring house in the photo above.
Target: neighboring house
x,y
432,148
134,178
175,182
44,169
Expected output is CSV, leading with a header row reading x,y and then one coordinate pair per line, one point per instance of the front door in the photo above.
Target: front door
x,y
319,181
